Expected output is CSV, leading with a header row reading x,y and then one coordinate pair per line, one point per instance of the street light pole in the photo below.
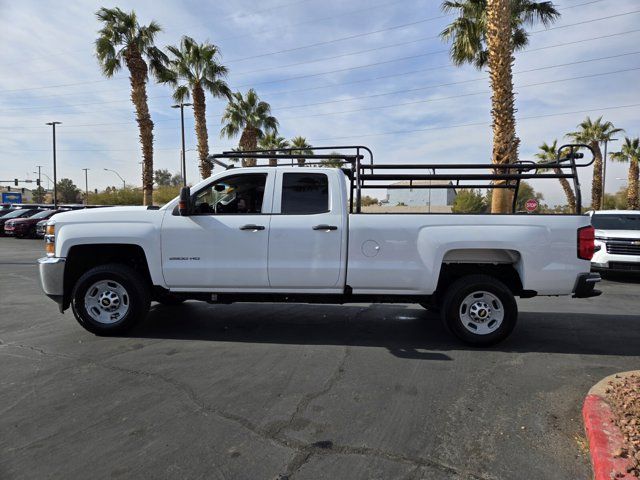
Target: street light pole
x,y
86,186
55,173
184,153
124,185
604,170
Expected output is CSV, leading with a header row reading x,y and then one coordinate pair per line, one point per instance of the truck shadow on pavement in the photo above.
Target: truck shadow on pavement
x,y
407,332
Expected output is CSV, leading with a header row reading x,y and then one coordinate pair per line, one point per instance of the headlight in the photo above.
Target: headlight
x,y
50,240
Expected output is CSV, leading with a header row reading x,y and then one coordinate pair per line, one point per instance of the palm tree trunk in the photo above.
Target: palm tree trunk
x,y
199,113
596,184
505,142
632,187
249,141
138,78
571,198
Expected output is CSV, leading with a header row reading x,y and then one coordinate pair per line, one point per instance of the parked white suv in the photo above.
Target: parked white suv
x,y
617,245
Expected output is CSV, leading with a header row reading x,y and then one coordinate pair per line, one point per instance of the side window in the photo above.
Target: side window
x,y
235,195
304,193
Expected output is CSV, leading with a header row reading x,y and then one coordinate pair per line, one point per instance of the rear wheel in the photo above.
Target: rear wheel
x,y
110,299
480,310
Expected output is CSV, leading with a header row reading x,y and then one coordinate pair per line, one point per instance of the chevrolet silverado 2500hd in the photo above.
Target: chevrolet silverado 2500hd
x,y
290,234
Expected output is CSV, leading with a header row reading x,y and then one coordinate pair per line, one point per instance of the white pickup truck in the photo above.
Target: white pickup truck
x,y
293,234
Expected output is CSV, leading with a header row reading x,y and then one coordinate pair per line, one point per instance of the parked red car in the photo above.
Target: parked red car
x,y
7,222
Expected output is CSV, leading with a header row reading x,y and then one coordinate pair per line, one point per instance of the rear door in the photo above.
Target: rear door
x,y
308,231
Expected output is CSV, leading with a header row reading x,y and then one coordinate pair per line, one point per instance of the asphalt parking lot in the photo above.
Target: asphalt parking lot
x,y
258,391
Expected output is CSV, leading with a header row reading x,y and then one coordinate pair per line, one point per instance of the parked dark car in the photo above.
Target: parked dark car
x,y
20,213
26,227
7,211
41,226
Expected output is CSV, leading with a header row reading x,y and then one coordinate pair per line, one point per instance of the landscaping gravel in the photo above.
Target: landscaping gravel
x,y
624,397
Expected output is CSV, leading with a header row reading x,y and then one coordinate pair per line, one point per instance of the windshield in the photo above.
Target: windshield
x,y
19,213
43,214
615,222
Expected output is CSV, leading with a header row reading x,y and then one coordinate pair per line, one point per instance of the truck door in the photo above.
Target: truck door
x,y
308,231
222,245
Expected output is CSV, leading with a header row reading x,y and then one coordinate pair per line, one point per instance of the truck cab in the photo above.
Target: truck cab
x,y
259,230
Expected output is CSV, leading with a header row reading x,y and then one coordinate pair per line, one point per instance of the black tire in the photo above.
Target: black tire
x,y
457,315
136,297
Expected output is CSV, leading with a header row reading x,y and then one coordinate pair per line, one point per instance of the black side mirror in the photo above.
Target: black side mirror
x,y
184,205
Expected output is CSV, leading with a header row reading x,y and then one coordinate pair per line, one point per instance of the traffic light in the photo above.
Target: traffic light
x,y
38,182
15,182
23,190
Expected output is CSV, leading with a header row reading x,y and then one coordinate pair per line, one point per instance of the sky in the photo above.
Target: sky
x,y
371,72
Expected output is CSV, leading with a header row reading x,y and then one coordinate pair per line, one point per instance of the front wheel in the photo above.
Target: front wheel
x,y
480,310
110,299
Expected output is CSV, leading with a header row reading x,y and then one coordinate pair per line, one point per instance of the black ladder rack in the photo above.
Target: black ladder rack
x,y
356,161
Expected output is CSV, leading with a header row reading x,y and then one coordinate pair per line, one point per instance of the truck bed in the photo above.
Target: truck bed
x,y
403,253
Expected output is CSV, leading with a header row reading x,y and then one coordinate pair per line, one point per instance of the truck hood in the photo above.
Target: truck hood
x,y
633,234
107,215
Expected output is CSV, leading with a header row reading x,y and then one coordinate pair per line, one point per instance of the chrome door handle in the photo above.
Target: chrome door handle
x,y
325,227
251,227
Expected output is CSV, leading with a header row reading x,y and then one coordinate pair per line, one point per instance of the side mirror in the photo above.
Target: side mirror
x,y
184,205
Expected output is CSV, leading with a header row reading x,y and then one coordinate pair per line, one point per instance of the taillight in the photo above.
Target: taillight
x,y
586,242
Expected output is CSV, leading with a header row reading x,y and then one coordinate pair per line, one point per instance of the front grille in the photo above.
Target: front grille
x,y
621,246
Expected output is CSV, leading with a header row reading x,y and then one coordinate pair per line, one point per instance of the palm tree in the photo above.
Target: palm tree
x,y
271,141
592,133
193,69
548,154
630,152
468,32
302,147
486,32
332,162
251,116
123,39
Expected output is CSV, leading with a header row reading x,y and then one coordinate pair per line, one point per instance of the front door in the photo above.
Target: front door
x,y
308,232
223,243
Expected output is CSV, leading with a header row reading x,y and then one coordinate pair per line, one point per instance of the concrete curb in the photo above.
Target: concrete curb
x,y
605,438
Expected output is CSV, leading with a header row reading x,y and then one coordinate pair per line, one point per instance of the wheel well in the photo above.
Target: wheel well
x,y
84,257
505,272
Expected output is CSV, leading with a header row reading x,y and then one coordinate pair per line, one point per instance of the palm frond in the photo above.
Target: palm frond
x,y
467,32
181,93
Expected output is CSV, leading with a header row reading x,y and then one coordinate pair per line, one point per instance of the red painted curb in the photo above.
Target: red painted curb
x,y
605,439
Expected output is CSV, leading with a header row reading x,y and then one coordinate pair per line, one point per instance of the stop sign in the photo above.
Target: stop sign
x,y
531,205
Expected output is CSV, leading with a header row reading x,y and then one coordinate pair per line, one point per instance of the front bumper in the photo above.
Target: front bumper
x,y
14,231
585,284
603,260
51,270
